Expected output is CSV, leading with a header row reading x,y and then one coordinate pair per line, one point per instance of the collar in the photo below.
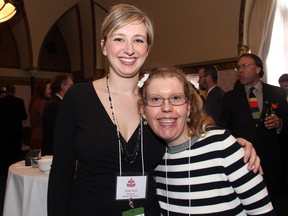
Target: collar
x,y
183,146
211,89
59,96
258,87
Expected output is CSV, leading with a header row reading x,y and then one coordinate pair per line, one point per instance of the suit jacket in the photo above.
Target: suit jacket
x,y
49,119
213,103
236,116
12,113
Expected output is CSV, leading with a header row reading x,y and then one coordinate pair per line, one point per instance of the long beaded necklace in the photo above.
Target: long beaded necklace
x,y
128,157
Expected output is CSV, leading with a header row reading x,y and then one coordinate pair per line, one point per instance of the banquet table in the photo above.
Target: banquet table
x,y
26,191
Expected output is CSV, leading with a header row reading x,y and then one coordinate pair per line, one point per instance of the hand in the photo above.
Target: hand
x,y
272,122
250,153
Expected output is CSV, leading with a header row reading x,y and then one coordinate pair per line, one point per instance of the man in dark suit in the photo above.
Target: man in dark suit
x,y
208,78
283,82
12,113
59,87
263,132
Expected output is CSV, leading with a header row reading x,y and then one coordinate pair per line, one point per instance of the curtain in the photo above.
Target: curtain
x,y
259,24
267,43
277,45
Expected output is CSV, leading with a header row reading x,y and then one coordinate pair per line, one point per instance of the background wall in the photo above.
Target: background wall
x,y
191,31
188,33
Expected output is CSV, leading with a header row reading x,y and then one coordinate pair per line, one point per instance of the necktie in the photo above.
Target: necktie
x,y
253,103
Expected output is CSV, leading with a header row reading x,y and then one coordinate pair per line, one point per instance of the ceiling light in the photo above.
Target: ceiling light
x,y
7,9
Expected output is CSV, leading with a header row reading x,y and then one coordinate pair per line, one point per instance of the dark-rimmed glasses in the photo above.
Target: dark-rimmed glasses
x,y
174,100
244,66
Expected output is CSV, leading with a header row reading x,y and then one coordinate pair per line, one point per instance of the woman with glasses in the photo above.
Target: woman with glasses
x,y
202,171
99,129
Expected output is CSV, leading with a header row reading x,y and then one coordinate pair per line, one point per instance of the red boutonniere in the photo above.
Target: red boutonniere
x,y
274,106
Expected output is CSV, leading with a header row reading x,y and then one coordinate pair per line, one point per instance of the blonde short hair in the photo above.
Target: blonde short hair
x,y
123,14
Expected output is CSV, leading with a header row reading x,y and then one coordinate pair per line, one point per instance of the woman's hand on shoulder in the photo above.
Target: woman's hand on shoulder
x,y
251,156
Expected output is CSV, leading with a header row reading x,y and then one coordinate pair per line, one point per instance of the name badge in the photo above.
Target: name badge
x,y
131,187
134,212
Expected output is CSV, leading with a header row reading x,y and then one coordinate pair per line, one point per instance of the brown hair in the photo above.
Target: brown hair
x,y
57,82
39,94
283,78
257,60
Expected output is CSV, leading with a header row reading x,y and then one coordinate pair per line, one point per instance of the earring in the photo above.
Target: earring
x,y
143,120
188,119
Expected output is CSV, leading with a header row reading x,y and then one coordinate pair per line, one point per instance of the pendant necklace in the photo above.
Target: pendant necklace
x,y
127,156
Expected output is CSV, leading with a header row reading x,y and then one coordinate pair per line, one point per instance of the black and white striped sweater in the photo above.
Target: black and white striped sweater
x,y
207,176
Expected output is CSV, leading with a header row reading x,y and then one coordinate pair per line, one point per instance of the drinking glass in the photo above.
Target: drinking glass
x,y
35,155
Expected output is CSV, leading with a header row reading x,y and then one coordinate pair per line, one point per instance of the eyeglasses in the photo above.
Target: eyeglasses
x,y
174,100
245,66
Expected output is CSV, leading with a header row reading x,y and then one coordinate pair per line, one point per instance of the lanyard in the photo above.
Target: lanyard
x,y
118,133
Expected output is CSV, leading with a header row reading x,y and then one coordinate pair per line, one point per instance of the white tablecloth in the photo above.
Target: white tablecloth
x,y
26,191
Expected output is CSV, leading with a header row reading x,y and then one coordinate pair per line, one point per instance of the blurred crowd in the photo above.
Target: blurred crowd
x,y
41,113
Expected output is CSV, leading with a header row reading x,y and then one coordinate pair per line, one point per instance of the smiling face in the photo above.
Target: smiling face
x,y
167,121
126,49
